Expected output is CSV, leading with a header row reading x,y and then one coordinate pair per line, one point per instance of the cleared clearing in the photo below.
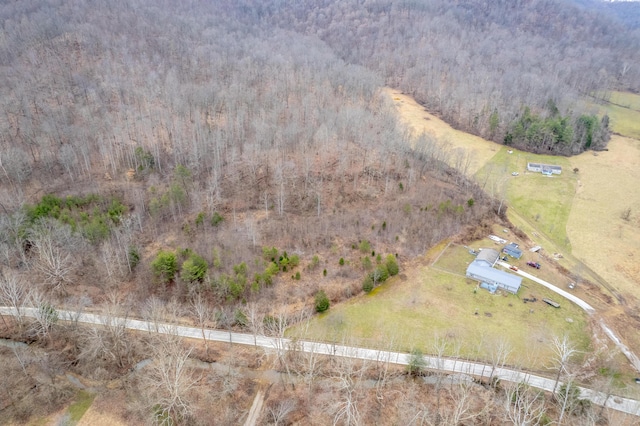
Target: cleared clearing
x,y
414,115
579,212
543,200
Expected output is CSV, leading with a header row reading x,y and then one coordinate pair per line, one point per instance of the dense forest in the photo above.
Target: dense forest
x,y
627,11
170,137
481,64
165,159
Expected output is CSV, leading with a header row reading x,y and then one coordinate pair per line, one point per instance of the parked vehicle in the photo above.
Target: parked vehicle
x,y
515,174
534,264
515,268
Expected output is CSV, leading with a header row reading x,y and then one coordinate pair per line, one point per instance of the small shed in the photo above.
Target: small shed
x,y
512,250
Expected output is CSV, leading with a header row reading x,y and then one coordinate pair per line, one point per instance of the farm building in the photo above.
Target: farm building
x,y
512,250
480,270
545,169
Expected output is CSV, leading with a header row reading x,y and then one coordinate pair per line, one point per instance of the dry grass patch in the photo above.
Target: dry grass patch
x,y
106,411
608,186
416,117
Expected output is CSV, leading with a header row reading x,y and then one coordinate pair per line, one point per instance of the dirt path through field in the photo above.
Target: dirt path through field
x,y
256,409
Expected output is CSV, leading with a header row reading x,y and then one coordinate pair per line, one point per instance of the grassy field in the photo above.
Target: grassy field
x,y
545,200
607,187
81,404
440,301
625,99
623,110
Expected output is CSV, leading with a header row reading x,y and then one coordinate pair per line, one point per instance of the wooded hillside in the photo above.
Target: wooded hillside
x,y
481,65
235,164
179,142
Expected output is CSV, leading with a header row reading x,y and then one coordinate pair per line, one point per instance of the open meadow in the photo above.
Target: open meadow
x,y
604,223
544,200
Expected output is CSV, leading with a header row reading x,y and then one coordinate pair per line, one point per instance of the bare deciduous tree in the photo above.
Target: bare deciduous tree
x,y
15,165
169,382
205,316
563,350
276,326
439,348
54,242
13,293
255,320
567,398
156,312
461,410
11,234
110,340
278,412
498,353
44,313
523,405
348,374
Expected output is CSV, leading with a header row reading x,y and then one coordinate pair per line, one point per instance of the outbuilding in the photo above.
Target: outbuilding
x,y
512,250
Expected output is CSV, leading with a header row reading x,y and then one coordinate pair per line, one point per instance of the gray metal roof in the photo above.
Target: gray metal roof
x,y
548,166
512,250
488,255
480,272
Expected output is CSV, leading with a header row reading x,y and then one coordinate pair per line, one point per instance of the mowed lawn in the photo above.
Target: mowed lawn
x,y
411,310
545,201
